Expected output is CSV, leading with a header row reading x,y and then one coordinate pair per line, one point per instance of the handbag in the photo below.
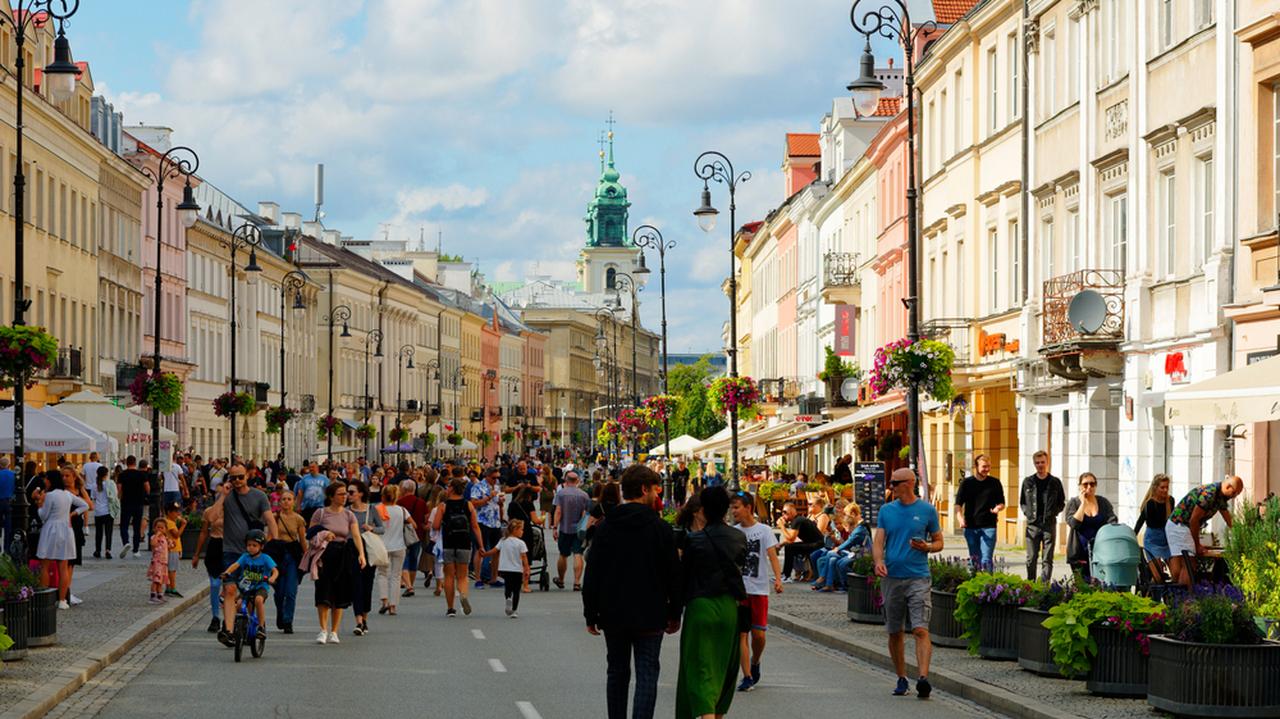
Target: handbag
x,y
410,534
375,552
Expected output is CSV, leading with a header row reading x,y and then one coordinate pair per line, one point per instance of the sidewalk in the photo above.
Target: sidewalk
x,y
1000,686
115,616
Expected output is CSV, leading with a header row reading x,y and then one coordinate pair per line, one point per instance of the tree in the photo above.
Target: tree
x,y
693,415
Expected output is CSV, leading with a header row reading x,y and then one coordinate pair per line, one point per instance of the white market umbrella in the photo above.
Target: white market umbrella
x,y
46,430
131,430
682,445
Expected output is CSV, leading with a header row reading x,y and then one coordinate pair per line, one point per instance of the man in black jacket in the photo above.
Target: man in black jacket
x,y
1041,501
631,591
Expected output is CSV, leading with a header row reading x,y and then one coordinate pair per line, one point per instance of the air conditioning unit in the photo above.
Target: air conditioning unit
x,y
411,405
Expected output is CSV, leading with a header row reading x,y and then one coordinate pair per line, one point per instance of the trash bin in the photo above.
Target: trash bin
x,y
1115,556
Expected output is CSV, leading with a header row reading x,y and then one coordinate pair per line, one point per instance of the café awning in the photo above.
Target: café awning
x,y
1245,394
844,424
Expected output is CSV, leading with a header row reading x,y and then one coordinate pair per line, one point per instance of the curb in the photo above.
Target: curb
x,y
66,681
966,687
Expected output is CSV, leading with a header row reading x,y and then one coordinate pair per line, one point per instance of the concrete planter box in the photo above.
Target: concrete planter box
x,y
1214,680
863,600
1120,669
998,632
944,630
1034,654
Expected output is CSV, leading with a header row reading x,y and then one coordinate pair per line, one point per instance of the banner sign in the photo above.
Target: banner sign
x,y
868,488
845,315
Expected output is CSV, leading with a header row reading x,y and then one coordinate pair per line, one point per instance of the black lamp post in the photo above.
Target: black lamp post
x,y
60,79
250,236
625,281
406,352
341,313
892,20
293,281
648,237
372,337
713,165
513,391
604,364
457,382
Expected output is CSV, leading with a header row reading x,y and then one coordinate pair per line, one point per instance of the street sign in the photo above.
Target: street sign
x,y
868,488
807,419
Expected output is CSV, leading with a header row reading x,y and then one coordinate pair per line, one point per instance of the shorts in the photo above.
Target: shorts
x,y
456,556
759,606
1179,539
411,557
259,592
174,559
568,544
907,603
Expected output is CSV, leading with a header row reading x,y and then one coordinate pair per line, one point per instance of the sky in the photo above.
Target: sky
x,y
475,122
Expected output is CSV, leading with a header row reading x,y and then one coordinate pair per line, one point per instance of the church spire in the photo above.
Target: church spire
x,y
607,212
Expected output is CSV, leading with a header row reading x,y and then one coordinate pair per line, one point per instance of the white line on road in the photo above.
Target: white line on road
x,y
527,710
496,665
477,634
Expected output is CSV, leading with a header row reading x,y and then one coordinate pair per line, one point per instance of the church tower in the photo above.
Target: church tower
x,y
608,248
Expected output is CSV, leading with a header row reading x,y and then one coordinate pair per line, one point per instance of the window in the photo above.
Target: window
x,y
1075,243
1204,13
1111,58
1204,208
1117,232
942,118
1167,221
1015,261
1275,149
993,99
960,307
1073,61
1166,23
962,111
1047,251
1015,67
993,259
1048,58
931,149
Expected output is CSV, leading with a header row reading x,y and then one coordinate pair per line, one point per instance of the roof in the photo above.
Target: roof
x,y
888,107
803,144
946,12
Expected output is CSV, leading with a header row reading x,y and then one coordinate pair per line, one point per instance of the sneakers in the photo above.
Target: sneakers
x,y
321,638
153,600
168,593
358,631
509,609
515,615
902,688
466,605
287,629
262,632
333,638
746,684
755,673
451,614
923,688
224,638
480,585
214,625
74,600
63,605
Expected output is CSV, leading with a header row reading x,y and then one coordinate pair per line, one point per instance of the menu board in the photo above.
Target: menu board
x,y
868,488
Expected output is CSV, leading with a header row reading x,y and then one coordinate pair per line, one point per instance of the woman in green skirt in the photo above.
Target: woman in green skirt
x,y
712,566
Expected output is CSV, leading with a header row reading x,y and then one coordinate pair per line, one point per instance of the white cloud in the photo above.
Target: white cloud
x,y
420,200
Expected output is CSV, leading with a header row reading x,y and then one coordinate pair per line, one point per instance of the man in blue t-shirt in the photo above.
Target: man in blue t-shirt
x,y
906,531
310,491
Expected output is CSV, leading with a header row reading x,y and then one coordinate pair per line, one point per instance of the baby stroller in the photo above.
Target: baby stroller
x,y
535,537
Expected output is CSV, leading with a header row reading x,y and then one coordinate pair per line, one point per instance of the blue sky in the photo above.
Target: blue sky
x,y
478,119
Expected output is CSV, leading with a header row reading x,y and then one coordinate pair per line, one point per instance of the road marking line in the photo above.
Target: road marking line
x,y
527,710
496,665
477,634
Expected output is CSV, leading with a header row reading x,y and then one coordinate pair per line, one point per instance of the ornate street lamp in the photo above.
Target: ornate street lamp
x,y
339,314
293,281
713,165
246,235
647,237
405,353
372,337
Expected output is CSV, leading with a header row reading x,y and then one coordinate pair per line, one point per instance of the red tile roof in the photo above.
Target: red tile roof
x,y
946,12
888,107
803,144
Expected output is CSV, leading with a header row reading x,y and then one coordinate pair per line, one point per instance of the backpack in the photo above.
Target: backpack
x,y
457,526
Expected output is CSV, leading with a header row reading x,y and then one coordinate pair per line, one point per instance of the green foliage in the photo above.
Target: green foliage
x,y
890,446
863,565
835,368
987,588
429,439
1068,624
18,575
693,415
948,574
454,439
5,640
508,436
484,439
769,489
780,468
366,431
1253,554
1212,614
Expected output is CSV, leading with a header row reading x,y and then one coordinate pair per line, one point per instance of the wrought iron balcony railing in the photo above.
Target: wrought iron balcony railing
x,y
956,332
69,365
840,269
1056,327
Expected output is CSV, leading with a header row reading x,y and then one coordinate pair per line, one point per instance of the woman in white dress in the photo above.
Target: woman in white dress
x,y
57,540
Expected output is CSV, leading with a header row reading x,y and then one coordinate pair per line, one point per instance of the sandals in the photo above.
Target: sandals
x,y
558,582
577,587
383,609
391,611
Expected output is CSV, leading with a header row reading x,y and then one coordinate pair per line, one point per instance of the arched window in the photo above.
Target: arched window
x,y
610,278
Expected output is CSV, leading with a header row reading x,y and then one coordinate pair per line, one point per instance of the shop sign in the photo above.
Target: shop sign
x,y
989,344
807,419
845,315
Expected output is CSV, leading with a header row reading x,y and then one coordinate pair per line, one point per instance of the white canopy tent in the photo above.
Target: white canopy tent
x,y
1245,394
682,445
131,431
48,430
442,430
707,447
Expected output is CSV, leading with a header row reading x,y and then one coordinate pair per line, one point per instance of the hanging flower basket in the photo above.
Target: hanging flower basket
x,y
484,438
454,439
734,394
632,422
366,431
646,439
234,403
925,364
160,390
508,436
277,418
398,434
576,437
609,432
24,352
661,407
325,426
429,439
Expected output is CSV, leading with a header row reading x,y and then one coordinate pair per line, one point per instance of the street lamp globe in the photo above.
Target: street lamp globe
x,y
60,75
298,306
188,209
706,214
866,89
253,265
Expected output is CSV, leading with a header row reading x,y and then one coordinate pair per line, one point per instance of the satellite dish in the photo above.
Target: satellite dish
x,y
849,389
1087,311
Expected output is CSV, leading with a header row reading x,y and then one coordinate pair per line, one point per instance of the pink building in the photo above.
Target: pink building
x,y
888,152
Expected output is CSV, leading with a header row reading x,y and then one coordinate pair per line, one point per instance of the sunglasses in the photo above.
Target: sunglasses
x,y
1088,484
896,482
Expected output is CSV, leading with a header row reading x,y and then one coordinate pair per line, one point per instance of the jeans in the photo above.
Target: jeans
x,y
791,551
491,536
215,597
131,516
1040,546
171,498
835,569
102,528
389,577
982,545
286,594
619,647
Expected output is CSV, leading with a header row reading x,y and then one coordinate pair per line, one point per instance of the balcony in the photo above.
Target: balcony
x,y
68,365
1073,353
126,373
409,405
841,281
955,332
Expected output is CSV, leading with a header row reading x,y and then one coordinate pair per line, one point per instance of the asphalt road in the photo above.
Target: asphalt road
x,y
420,664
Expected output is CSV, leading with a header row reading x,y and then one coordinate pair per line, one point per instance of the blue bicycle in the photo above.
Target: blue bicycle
x,y
245,629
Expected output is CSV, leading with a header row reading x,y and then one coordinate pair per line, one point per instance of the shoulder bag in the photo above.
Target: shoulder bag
x,y
251,524
410,534
375,552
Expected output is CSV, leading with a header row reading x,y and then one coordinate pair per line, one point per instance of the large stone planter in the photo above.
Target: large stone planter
x,y
1214,680
1120,669
834,398
15,623
190,536
944,630
1034,654
863,601
42,627
998,632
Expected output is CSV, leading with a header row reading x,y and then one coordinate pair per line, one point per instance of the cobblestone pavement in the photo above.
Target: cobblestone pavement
x,y
98,691
115,595
829,611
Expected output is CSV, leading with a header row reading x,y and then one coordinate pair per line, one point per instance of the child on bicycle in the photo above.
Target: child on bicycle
x,y
256,568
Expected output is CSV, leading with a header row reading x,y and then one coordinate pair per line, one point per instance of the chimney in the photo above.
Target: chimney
x,y
291,220
159,138
270,211
331,237
313,229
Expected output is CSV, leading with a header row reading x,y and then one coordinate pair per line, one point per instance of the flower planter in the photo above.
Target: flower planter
x,y
998,633
190,536
15,623
944,630
42,625
1034,654
863,601
834,398
1120,668
1218,680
